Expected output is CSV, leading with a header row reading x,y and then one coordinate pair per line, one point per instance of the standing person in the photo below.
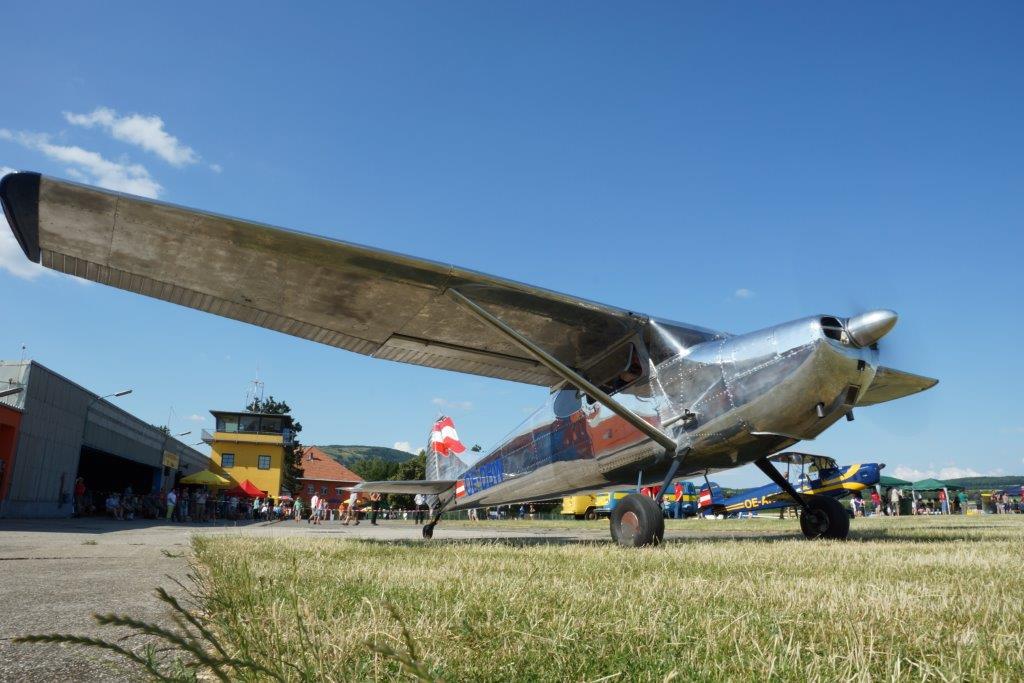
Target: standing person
x,y
418,512
79,496
297,509
353,513
894,501
201,505
314,509
374,507
677,506
172,501
876,500
943,503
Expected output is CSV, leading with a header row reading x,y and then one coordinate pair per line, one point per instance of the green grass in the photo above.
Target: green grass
x,y
936,599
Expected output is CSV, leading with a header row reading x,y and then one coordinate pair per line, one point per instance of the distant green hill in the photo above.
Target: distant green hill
x,y
350,455
988,483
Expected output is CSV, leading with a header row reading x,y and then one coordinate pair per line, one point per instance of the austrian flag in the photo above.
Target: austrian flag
x,y
444,439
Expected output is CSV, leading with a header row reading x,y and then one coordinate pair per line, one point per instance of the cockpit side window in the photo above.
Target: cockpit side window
x,y
618,369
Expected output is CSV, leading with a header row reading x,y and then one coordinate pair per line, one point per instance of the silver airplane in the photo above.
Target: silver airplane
x,y
634,399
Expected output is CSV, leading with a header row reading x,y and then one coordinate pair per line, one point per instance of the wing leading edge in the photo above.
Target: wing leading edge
x,y
366,300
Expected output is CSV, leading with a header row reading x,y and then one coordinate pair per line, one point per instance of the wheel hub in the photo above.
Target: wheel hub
x,y
817,520
629,526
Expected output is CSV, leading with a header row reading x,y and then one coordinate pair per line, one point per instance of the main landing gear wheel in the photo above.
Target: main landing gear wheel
x,y
637,521
824,517
428,531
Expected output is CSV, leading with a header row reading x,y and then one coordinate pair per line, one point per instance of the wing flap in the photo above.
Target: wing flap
x,y
890,385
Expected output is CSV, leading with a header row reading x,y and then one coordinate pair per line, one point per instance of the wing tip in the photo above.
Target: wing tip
x,y
19,194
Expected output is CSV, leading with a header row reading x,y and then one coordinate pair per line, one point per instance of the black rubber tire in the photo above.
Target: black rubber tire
x,y
826,518
658,513
591,514
428,531
636,522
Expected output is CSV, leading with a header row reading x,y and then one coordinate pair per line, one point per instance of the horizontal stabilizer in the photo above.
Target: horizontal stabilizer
x,y
891,384
434,487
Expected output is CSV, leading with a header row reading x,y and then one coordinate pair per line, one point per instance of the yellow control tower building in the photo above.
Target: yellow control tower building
x,y
251,446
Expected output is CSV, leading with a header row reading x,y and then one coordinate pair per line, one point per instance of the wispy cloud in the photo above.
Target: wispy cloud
x,y
743,293
447,405
405,446
90,166
146,132
196,417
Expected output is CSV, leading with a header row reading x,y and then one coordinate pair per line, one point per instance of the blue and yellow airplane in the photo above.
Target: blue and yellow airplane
x,y
817,474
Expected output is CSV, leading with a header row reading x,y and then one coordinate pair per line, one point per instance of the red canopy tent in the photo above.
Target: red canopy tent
x,y
247,489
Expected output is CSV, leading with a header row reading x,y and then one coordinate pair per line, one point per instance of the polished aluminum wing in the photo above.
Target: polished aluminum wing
x,y
357,298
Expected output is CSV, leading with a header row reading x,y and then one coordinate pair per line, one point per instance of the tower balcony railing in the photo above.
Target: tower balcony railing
x,y
287,436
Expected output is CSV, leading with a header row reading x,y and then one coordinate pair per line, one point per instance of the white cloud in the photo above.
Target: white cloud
x,y
446,404
216,168
196,417
146,132
950,472
404,446
12,258
743,293
90,166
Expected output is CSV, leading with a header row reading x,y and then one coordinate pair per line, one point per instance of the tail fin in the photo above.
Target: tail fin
x,y
443,447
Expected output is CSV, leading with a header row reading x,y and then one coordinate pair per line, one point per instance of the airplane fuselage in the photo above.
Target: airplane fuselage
x,y
726,399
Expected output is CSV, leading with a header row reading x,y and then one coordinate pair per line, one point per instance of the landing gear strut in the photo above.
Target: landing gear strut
x,y
820,516
428,528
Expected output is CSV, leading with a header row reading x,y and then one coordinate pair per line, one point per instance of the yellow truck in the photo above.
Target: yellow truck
x,y
581,506
592,505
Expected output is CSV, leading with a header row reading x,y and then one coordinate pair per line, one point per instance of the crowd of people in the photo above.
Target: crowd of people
x,y
895,502
199,504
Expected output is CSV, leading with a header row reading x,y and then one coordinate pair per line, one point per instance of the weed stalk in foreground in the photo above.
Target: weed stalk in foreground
x,y
197,650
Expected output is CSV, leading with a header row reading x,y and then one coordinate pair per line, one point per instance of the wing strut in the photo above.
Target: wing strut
x,y
566,373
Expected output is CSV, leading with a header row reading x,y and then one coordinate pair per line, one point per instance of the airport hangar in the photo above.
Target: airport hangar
x,y
53,431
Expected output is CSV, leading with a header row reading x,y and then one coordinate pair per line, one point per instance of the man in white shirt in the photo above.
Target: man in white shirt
x,y
351,513
418,512
172,500
314,509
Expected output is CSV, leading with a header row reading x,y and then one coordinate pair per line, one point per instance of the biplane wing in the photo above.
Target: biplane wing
x,y
357,298
821,462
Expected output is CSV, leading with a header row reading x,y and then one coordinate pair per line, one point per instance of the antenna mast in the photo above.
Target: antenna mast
x,y
255,390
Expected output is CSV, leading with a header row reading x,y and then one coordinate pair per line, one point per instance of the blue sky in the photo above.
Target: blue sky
x,y
732,165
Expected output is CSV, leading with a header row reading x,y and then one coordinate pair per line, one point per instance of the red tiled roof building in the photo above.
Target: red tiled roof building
x,y
324,476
